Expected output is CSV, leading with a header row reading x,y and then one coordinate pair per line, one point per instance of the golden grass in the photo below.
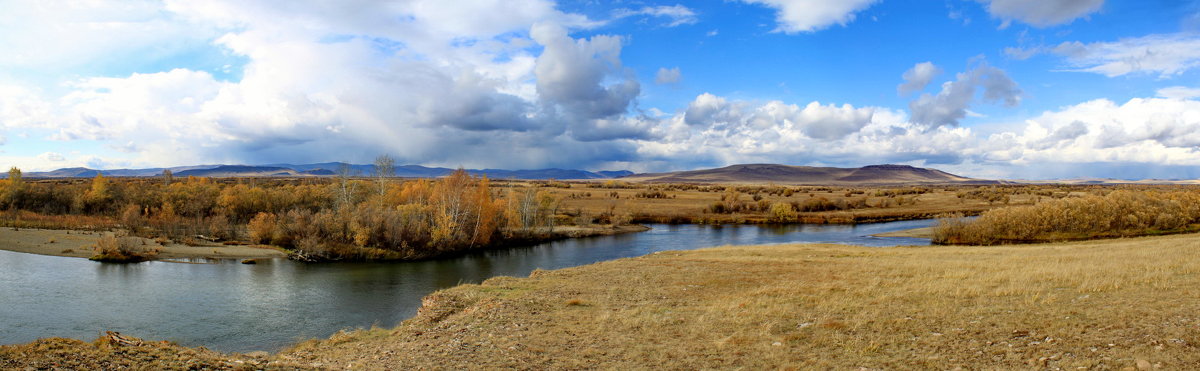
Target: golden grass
x,y
113,249
1112,304
118,353
1083,305
1122,213
691,204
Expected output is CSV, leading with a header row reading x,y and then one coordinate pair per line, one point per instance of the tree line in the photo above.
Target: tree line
x,y
343,218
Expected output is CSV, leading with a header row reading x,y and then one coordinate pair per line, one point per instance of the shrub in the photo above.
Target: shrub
x,y
1117,214
782,213
112,249
262,228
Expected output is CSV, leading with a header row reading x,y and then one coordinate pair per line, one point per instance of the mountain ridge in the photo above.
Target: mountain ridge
x,y
322,169
788,174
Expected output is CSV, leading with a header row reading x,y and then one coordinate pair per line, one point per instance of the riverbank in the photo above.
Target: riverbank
x,y
926,232
78,244
1096,305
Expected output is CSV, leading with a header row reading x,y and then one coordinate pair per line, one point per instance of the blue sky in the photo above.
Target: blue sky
x,y
986,88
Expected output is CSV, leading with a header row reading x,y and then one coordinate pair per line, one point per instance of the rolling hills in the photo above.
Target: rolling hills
x,y
786,174
322,169
745,173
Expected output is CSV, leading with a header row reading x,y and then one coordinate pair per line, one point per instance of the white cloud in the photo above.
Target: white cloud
x,y
917,77
1179,92
1042,13
677,14
449,84
54,34
668,76
1022,53
950,105
582,79
794,16
717,130
52,157
813,121
1143,130
1167,55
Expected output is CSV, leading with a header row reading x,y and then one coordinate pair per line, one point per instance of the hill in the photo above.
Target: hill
x,y
786,174
322,169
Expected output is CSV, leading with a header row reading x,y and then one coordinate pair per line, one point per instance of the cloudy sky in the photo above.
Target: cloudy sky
x,y
985,88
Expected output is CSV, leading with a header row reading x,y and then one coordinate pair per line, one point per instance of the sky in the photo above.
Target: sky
x,y
1018,89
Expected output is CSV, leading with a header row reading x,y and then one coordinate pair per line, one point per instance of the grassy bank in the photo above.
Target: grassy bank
x,y
83,244
1093,305
1097,305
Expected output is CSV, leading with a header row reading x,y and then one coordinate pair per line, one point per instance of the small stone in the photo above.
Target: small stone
x,y
257,354
777,344
1144,364
250,261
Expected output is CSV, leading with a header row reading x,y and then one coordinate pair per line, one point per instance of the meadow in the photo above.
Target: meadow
x,y
1109,304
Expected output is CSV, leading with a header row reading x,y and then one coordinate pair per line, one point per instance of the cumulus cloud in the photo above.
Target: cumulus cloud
x,y
950,105
1166,55
445,85
52,157
795,16
1041,13
918,77
668,76
813,121
1143,130
719,130
571,78
677,14
59,34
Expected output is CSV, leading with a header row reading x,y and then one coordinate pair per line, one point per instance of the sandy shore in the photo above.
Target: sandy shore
x,y
926,232
78,244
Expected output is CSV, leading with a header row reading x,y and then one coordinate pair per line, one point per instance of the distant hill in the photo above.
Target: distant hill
x,y
225,171
322,169
786,174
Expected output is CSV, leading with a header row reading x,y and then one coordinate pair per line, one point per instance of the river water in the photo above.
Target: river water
x,y
232,307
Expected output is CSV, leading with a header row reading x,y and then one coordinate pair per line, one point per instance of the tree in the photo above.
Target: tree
x,y
344,190
167,177
97,198
12,193
385,167
14,176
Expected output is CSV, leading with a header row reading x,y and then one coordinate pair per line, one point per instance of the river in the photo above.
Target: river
x,y
232,307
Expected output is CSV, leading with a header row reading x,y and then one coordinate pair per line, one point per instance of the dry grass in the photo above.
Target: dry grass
x,y
1084,305
1123,213
115,249
1113,304
681,203
106,353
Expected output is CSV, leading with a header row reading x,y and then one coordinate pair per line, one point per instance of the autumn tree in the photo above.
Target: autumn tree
x,y
98,196
385,168
344,187
13,189
14,176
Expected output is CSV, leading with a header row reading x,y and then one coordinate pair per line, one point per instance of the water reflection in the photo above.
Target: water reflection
x,y
230,306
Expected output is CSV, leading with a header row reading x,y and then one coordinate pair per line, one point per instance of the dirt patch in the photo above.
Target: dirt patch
x,y
78,244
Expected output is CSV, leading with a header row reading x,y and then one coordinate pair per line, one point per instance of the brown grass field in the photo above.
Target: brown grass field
x,y
691,203
1095,305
